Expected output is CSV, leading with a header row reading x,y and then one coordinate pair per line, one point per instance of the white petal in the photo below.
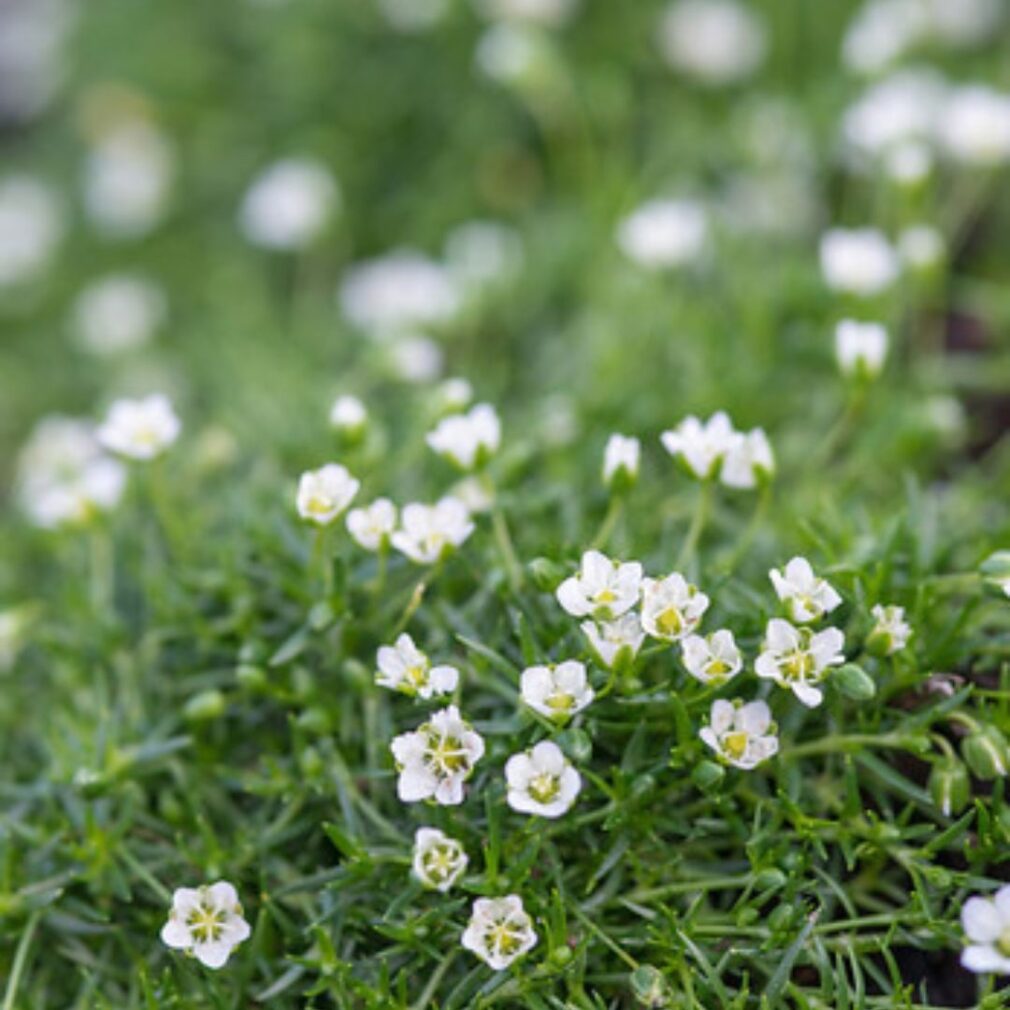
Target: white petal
x,y
810,696
175,933
985,959
981,920
213,955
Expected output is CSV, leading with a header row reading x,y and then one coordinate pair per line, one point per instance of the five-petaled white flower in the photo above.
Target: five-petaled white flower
x,y
557,692
621,461
323,494
404,668
603,589
615,643
348,415
671,607
891,632
439,861
541,781
986,923
702,446
806,596
430,532
140,429
206,922
373,525
468,440
860,348
799,658
749,460
713,659
437,758
499,931
742,735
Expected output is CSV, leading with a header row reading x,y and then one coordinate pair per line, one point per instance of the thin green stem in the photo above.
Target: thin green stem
x,y
511,560
321,559
20,960
757,519
852,742
614,511
702,508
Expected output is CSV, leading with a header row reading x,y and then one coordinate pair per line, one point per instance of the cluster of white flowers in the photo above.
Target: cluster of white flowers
x,y
715,450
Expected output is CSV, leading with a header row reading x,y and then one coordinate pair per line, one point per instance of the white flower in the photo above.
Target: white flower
x,y
288,204
882,32
798,658
31,225
603,589
499,931
415,358
908,164
483,253
403,667
542,781
748,461
373,525
621,460
671,608
430,532
860,348
437,758
140,429
891,630
324,494
986,924
712,660
662,234
348,415
615,643
206,922
922,247
545,12
468,440
974,126
117,313
702,446
412,16
714,41
896,112
514,54
454,394
557,692
742,735
858,261
806,596
474,493
439,861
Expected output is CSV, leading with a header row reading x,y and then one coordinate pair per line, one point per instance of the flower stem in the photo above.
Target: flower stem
x,y
321,559
511,560
702,509
614,511
756,520
852,742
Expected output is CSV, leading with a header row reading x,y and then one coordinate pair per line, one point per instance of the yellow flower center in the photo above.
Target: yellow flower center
x,y
416,676
501,938
446,754
544,787
735,745
206,923
797,665
606,596
670,622
1003,943
438,863
560,702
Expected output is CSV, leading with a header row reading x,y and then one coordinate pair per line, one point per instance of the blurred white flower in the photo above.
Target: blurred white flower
x,y
671,607
453,394
372,526
117,313
716,42
559,422
499,931
909,163
860,348
31,226
702,446
742,735
615,643
15,623
436,759
430,532
974,126
140,429
713,659
404,668
415,358
621,460
922,247
512,53
411,16
891,632
966,23
749,461
661,234
32,34
348,415
438,860
483,253
986,924
799,658
602,589
467,440
206,922
881,33
542,781
556,691
807,597
858,261
324,494
289,204
476,494
545,12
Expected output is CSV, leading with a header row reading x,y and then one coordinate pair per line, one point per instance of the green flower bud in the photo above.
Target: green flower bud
x,y
767,879
205,706
996,571
950,786
314,720
708,775
854,682
546,574
986,752
577,744
252,678
649,987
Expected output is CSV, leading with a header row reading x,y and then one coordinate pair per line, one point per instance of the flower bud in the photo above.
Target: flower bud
x,y
577,744
649,987
950,786
708,775
349,418
986,753
621,463
205,706
996,570
546,574
854,682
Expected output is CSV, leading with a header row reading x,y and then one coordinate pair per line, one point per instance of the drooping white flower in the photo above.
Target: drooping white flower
x,y
602,589
615,643
986,924
430,532
557,692
671,607
140,429
542,781
324,494
860,348
799,658
31,226
404,668
348,415
749,461
806,596
373,525
621,460
499,931
468,440
439,861
716,42
664,233
858,261
206,922
117,313
713,659
974,126
702,446
288,204
437,758
891,631
743,735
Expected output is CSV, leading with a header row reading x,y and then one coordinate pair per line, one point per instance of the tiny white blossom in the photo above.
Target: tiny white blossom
x,y
415,358
206,922
288,204
324,494
482,254
909,164
749,461
922,247
373,525
860,348
499,931
403,667
806,596
716,42
468,440
31,226
476,494
439,861
602,589
663,234
742,735
615,643
986,924
975,126
891,630
702,446
557,692
713,659
140,429
799,658
348,414
454,394
621,460
430,532
542,781
117,313
671,607
858,261
437,758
